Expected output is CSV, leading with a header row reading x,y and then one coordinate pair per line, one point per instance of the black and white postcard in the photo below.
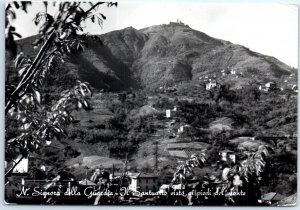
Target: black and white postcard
x,y
126,103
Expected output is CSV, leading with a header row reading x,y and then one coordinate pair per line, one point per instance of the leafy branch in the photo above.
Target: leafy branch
x,y
58,37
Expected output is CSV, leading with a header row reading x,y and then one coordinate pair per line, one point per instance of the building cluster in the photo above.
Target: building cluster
x,y
212,83
230,70
182,128
268,86
293,87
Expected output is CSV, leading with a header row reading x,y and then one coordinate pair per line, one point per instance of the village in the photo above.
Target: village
x,y
176,139
137,187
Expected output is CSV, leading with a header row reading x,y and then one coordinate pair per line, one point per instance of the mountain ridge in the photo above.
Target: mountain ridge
x,y
167,54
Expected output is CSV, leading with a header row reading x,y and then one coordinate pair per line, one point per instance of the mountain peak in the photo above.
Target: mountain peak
x,y
169,54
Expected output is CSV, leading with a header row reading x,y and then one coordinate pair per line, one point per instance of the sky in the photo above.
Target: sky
x,y
267,28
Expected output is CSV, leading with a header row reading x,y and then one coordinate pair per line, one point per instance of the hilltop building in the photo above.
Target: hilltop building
x,y
178,22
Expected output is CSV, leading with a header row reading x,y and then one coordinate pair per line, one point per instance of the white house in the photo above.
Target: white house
x,y
232,71
211,84
183,128
270,86
228,155
144,182
168,113
223,72
171,112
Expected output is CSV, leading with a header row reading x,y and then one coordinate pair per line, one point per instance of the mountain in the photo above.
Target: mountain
x,y
135,123
168,54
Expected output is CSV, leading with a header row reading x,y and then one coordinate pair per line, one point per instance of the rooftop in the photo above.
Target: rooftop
x,y
142,175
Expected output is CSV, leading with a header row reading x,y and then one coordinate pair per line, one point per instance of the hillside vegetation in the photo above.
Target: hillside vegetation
x,y
138,74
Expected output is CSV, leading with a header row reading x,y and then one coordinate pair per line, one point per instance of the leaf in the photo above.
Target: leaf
x,y
63,35
79,105
37,42
100,22
19,59
38,96
37,18
24,5
12,14
21,71
49,115
16,34
50,29
57,130
24,120
68,49
85,104
104,17
110,4
27,125
16,5
79,48
12,140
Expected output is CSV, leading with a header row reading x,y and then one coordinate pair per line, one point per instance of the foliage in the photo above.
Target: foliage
x,y
240,177
58,37
39,125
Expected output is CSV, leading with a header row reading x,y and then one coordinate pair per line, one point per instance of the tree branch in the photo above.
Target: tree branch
x,y
29,74
48,56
